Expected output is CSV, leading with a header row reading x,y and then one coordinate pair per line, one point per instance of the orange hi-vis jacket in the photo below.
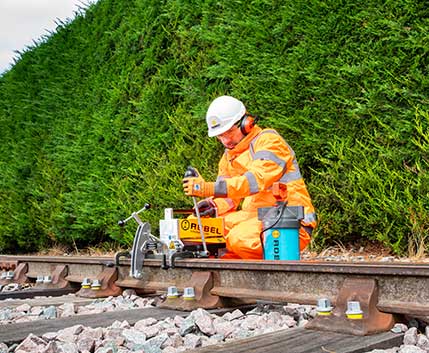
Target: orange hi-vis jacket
x,y
246,175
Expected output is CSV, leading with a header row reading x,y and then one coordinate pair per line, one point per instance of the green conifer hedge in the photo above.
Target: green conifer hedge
x,y
106,113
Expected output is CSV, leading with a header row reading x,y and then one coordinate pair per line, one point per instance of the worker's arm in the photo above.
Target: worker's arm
x,y
225,204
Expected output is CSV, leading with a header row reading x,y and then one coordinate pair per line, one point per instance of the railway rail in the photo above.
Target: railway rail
x,y
383,291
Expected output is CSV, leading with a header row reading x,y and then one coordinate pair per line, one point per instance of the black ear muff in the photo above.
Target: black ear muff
x,y
247,123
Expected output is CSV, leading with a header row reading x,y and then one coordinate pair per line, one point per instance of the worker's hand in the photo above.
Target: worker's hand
x,y
207,207
197,186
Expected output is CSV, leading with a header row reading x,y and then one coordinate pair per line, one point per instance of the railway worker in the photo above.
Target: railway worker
x,y
253,160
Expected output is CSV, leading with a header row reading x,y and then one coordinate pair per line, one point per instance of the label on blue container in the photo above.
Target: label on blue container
x,y
281,244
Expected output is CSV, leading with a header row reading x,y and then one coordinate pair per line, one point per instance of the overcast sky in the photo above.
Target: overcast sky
x,y
21,21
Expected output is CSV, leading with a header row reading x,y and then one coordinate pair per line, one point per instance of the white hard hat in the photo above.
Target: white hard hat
x,y
223,113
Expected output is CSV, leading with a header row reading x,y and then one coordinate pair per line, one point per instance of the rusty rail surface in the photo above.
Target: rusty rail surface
x,y
382,289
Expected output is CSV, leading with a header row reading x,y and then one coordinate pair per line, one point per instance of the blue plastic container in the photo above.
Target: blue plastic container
x,y
281,236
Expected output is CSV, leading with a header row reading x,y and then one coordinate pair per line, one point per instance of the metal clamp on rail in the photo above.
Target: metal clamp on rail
x,y
145,245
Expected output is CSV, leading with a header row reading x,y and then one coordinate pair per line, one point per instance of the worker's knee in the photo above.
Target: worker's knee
x,y
244,240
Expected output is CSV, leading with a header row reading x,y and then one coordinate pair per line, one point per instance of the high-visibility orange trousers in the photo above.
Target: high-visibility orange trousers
x,y
242,236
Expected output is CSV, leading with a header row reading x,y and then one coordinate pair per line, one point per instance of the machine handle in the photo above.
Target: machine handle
x,y
122,222
191,172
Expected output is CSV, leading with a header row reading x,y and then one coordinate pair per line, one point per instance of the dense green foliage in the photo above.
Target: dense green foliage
x,y
106,113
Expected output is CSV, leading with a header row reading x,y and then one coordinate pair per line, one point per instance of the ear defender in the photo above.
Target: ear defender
x,y
247,123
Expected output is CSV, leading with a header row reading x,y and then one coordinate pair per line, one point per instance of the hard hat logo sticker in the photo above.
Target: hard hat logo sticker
x,y
214,122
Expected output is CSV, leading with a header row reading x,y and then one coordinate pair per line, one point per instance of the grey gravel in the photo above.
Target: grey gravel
x,y
27,313
171,335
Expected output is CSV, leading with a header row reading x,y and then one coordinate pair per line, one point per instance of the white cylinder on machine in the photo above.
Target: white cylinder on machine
x,y
169,229
168,214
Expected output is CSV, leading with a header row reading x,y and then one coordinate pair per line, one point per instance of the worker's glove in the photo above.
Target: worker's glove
x,y
195,185
207,207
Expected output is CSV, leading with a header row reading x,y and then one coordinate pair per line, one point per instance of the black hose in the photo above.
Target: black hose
x,y
271,226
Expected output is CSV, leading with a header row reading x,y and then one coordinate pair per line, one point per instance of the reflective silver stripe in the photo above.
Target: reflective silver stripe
x,y
291,176
309,217
292,152
252,150
220,188
253,185
287,176
221,177
295,163
270,156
